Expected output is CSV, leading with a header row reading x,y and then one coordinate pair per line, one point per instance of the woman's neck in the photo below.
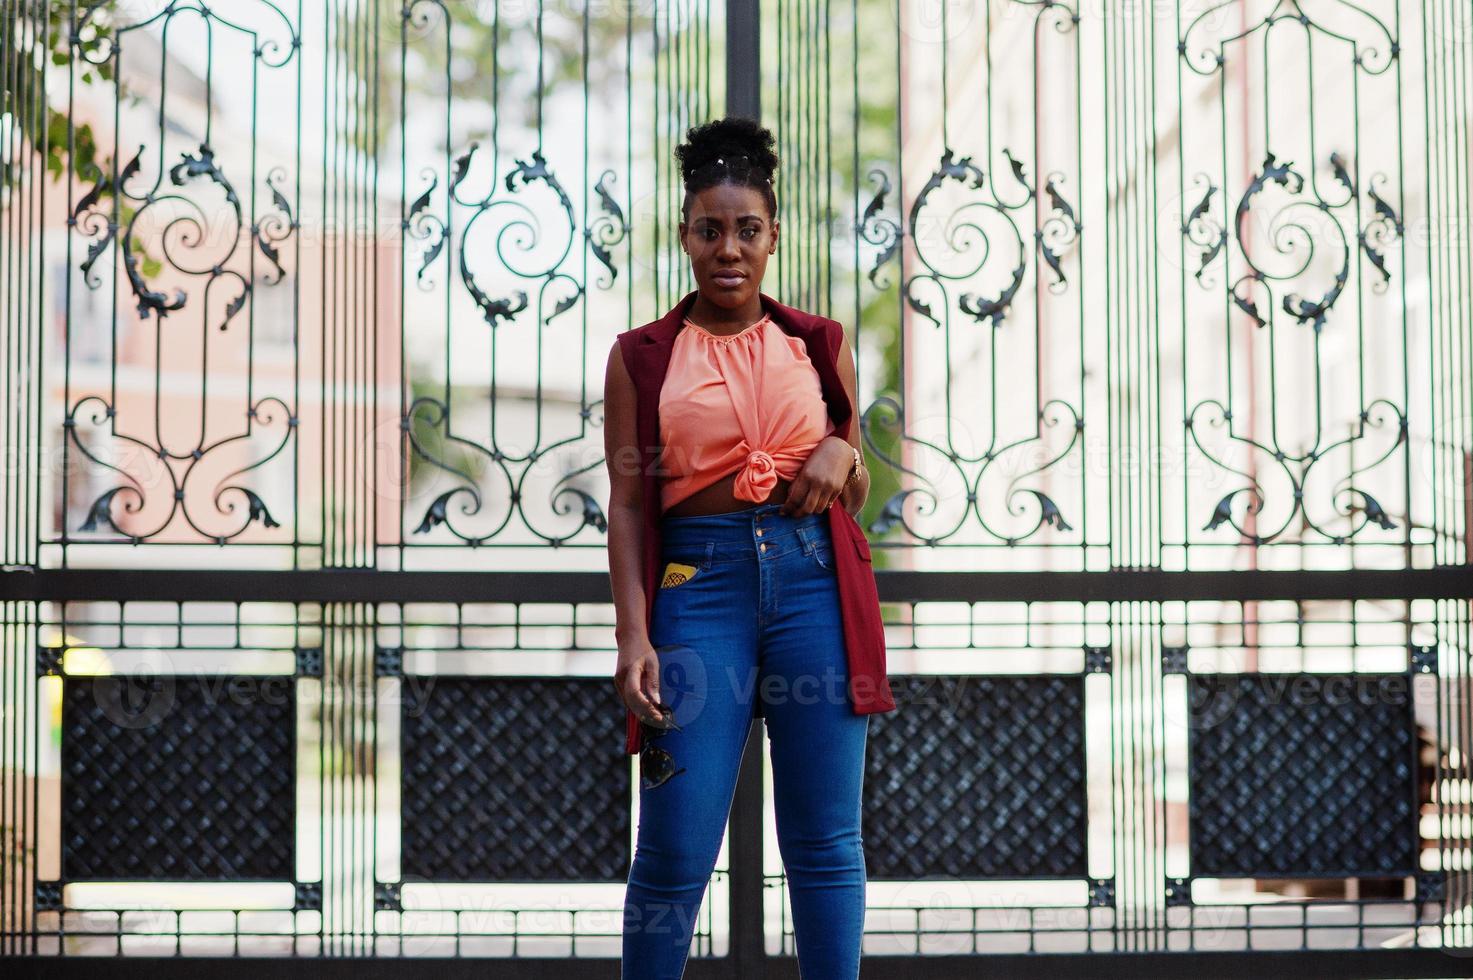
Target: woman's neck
x,y
720,320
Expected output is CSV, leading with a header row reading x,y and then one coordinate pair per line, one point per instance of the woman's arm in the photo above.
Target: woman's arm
x,y
821,480
637,675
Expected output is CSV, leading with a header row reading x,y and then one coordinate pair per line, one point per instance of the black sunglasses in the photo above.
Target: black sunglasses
x,y
656,765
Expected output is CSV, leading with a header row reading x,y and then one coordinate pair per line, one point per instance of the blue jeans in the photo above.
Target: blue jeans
x,y
759,618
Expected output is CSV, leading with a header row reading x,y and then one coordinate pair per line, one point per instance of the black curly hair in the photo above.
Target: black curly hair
x,y
733,150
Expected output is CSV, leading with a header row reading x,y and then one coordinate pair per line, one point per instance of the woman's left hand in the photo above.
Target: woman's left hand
x,y
821,479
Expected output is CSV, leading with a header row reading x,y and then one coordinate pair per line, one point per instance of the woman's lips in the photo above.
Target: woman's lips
x,y
729,281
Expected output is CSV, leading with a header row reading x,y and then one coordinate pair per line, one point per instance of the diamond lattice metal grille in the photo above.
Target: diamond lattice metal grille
x,y
179,778
1302,774
514,779
977,777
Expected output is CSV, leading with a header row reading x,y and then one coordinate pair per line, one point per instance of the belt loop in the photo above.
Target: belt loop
x,y
710,550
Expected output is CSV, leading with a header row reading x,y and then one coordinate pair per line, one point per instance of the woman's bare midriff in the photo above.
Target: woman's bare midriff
x,y
719,499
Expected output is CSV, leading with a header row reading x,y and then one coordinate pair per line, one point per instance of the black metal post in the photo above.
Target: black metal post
x,y
744,58
748,953
744,98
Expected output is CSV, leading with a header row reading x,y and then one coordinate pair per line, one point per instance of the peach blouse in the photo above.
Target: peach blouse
x,y
749,402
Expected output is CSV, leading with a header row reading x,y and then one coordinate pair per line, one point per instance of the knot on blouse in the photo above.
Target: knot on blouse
x,y
757,479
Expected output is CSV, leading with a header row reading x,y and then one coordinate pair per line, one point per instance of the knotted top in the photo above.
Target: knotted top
x,y
749,402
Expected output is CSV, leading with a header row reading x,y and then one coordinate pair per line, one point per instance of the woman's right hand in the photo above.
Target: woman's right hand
x,y
637,679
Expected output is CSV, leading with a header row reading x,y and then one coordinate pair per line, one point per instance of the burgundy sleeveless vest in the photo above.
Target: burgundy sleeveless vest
x,y
646,352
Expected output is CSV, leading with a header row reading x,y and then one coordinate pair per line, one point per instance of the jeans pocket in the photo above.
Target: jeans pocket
x,y
679,566
818,547
824,555
676,574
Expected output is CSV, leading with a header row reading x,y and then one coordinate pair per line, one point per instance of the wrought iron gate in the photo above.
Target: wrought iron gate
x,y
1162,317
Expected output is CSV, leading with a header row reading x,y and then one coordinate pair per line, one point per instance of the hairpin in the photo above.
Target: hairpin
x,y
722,160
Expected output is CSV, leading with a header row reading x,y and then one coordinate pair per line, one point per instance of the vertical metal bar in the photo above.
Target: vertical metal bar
x,y
744,58
23,222
748,951
744,98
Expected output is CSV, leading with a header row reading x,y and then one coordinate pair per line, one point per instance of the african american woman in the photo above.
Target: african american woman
x,y
742,583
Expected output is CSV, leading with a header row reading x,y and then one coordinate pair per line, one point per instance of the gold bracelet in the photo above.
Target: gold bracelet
x,y
854,470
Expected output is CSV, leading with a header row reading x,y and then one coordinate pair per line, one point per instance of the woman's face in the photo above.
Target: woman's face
x,y
728,238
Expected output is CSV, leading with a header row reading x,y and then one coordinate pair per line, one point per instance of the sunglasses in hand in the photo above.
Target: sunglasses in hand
x,y
656,765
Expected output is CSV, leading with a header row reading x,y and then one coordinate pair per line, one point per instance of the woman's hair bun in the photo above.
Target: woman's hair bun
x,y
734,148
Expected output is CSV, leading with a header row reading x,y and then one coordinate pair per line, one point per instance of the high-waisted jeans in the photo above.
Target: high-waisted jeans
x,y
759,618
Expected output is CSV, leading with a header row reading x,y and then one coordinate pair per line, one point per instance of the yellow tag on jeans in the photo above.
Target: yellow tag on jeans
x,y
675,574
